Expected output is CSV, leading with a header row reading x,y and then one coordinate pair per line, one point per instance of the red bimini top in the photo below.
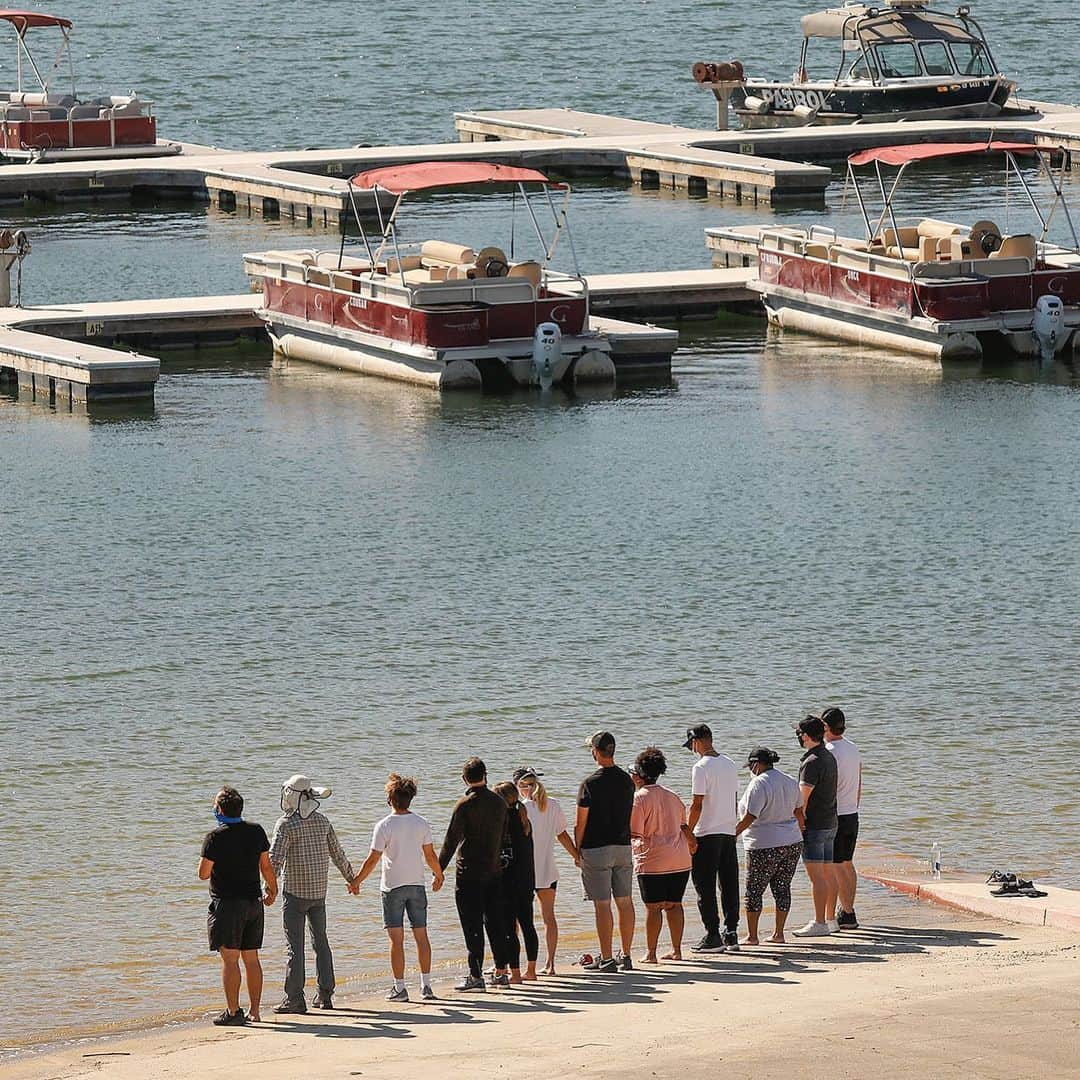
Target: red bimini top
x,y
23,20
903,155
424,175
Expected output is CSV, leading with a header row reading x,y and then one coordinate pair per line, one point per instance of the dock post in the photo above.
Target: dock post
x,y
7,260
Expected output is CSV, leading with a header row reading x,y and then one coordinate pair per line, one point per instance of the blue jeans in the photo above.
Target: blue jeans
x,y
295,912
405,898
818,845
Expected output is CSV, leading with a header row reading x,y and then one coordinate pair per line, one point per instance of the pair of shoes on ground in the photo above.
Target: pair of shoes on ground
x,y
231,1019
1012,885
610,965
299,1007
728,941
426,993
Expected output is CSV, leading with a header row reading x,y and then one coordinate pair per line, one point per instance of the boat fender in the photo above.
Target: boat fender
x,y
754,104
547,352
1049,324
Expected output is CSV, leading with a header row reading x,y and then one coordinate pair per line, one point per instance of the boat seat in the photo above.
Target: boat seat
x,y
65,101
909,237
317,275
932,227
937,270
407,262
927,248
84,112
329,259
426,275
908,254
816,251
953,249
133,108
1020,246
529,270
442,253
16,113
39,116
991,267
28,98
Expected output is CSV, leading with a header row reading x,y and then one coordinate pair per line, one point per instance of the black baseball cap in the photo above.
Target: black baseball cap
x,y
521,773
603,741
762,755
699,731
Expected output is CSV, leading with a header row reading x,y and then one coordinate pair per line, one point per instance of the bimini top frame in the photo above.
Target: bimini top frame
x,y
903,156
25,20
400,180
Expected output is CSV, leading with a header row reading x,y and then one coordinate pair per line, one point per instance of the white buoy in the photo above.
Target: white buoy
x,y
547,352
1049,325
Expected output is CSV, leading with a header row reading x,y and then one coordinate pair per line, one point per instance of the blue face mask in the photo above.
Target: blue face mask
x,y
223,820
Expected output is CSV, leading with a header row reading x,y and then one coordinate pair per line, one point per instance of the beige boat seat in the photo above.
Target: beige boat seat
x,y
426,275
938,229
441,253
531,271
1020,246
816,251
927,248
407,262
329,259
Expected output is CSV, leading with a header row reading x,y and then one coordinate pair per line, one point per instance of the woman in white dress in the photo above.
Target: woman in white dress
x,y
548,825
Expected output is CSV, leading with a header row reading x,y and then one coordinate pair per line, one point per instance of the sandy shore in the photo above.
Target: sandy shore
x,y
925,992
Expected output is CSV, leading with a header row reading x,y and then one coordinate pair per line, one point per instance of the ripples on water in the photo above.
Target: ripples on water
x,y
295,570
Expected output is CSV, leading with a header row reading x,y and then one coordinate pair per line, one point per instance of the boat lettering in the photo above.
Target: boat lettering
x,y
771,260
358,302
318,301
853,275
787,98
472,324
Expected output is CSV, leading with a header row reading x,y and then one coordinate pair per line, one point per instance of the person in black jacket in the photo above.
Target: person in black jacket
x,y
477,835
518,888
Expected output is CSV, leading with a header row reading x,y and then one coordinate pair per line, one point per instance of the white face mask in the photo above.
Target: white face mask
x,y
298,802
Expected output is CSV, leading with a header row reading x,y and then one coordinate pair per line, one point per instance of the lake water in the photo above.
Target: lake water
x,y
289,569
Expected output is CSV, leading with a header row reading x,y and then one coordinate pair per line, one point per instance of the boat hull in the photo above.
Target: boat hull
x,y
799,105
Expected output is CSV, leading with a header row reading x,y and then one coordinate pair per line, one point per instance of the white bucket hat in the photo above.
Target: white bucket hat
x,y
300,795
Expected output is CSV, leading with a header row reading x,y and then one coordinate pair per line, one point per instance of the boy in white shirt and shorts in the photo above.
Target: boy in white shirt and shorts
x,y
402,841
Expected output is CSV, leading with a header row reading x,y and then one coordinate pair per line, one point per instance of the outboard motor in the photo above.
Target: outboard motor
x,y
1049,325
547,352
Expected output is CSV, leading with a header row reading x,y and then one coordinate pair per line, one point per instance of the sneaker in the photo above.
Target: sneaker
x,y
228,1019
471,983
710,943
427,993
813,929
731,940
846,920
833,925
501,980
323,1001
623,962
288,1006
397,995
607,966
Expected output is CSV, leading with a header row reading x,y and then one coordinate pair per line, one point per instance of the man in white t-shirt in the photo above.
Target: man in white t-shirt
x,y
402,841
840,898
715,788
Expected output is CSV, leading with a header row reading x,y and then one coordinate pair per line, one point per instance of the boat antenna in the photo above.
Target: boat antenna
x,y
513,216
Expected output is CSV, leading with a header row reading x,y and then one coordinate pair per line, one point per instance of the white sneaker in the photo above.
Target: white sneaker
x,y
813,929
834,926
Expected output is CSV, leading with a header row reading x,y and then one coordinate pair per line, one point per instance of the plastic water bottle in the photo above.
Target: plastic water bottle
x,y
935,859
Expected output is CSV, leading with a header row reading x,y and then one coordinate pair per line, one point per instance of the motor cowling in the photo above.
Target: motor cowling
x,y
547,352
1049,324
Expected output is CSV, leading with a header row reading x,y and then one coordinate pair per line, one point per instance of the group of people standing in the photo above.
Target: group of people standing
x,y
502,842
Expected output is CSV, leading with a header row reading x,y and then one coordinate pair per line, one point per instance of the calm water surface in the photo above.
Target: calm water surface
x,y
280,570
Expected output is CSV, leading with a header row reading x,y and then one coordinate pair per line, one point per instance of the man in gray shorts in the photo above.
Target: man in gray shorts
x,y
602,834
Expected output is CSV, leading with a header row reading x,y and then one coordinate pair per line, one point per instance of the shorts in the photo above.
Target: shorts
x,y
607,871
663,888
847,833
818,845
553,886
411,899
235,922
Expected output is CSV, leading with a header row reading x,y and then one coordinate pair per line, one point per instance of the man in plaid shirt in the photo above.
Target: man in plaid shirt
x,y
304,843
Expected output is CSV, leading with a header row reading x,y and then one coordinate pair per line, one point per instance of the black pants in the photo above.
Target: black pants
x,y
518,913
480,908
716,861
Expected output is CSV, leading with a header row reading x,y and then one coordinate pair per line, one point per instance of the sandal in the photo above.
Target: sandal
x,y
1007,888
1031,891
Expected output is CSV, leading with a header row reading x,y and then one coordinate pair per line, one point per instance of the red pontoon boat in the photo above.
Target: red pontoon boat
x,y
44,124
930,286
443,314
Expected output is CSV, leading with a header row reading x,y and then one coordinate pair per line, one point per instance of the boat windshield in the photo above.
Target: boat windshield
x,y
971,59
936,58
898,60
863,68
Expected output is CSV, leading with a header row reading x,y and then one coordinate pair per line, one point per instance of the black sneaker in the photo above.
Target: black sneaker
x,y
731,940
228,1019
623,962
608,966
710,943
846,920
323,1001
287,1006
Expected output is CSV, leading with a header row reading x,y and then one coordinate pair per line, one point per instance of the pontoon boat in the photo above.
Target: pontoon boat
x,y
46,124
439,313
929,286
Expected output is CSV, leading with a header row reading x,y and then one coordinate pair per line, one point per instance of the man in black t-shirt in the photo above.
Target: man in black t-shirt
x,y
602,834
817,785
233,857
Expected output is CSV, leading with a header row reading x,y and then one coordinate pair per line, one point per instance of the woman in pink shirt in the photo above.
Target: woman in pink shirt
x,y
662,845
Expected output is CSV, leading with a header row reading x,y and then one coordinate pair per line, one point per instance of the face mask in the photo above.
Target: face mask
x,y
223,820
